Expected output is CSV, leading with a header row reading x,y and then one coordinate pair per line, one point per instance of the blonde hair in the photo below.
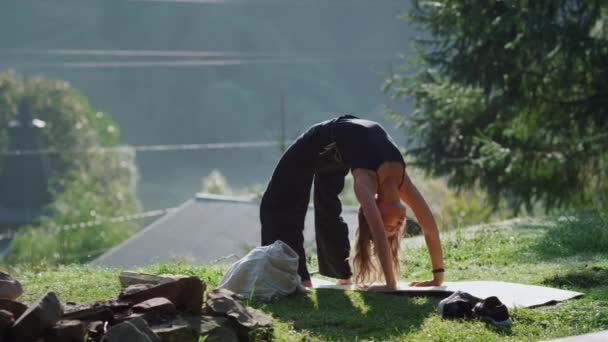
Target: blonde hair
x,y
364,262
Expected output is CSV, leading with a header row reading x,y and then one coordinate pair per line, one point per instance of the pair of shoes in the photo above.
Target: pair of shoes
x,y
492,310
458,305
464,305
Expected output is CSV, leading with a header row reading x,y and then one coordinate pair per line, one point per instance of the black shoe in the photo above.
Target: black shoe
x,y
492,310
458,305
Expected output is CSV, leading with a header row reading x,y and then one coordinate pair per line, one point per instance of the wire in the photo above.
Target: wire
x,y
144,148
278,2
196,63
189,53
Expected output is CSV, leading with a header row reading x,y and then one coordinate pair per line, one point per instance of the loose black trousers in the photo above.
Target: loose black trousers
x,y
314,156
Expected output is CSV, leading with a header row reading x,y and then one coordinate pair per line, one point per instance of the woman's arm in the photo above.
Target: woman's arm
x,y
365,186
412,197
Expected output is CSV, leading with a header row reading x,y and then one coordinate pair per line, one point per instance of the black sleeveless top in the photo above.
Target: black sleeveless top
x,y
364,144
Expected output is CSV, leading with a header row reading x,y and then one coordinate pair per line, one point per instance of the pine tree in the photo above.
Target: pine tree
x,y
513,96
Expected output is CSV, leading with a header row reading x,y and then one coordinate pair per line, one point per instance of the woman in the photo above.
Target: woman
x,y
324,154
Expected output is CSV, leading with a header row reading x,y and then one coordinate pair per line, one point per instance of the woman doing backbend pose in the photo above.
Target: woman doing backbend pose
x,y
324,155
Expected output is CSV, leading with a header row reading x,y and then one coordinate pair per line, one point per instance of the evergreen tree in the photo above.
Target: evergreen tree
x,y
513,96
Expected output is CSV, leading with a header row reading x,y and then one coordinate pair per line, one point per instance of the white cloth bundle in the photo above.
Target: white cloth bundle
x,y
265,273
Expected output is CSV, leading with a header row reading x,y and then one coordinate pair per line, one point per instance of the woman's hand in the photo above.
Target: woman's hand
x,y
437,281
307,283
382,288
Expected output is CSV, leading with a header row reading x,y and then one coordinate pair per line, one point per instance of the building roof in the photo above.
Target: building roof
x,y
205,229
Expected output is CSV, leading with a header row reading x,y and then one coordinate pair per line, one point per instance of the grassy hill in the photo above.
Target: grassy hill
x,y
569,253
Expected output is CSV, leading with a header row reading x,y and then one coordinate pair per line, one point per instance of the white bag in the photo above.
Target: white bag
x,y
265,273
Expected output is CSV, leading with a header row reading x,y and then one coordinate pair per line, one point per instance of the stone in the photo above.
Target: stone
x,y
185,293
135,288
10,288
220,301
16,308
124,316
66,331
217,329
251,323
86,312
135,330
96,329
133,278
6,320
175,333
153,308
36,319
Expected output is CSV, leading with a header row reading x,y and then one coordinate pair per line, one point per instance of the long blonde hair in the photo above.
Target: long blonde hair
x,y
365,264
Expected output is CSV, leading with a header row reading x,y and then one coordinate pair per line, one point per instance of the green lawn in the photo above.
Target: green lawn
x,y
570,254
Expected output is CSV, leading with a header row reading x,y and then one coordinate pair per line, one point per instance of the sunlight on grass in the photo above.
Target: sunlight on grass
x,y
512,253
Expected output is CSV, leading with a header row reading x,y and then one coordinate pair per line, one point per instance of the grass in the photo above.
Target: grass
x,y
568,253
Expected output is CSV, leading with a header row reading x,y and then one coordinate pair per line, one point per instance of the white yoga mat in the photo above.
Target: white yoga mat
x,y
511,294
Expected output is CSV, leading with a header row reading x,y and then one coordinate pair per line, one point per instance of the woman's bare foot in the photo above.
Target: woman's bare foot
x,y
344,282
307,283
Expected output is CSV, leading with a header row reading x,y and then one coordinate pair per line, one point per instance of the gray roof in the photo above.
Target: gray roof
x,y
205,229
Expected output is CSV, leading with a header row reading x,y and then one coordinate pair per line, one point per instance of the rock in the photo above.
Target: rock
x,y
66,331
10,288
135,330
220,301
208,323
251,323
96,329
124,316
176,333
132,278
6,320
185,293
86,312
16,308
135,288
36,319
153,308
217,329
222,334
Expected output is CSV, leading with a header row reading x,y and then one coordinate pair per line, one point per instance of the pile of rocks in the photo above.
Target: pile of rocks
x,y
150,308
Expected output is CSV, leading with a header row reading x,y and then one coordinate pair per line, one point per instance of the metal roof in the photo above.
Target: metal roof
x,y
204,229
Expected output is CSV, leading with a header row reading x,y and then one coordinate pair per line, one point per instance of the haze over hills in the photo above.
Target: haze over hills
x,y
173,72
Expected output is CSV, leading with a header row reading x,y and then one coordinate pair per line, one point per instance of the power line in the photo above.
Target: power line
x,y
144,148
280,2
196,63
191,53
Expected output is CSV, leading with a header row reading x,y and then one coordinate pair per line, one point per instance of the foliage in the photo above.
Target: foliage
x,y
217,184
9,90
328,315
512,96
88,182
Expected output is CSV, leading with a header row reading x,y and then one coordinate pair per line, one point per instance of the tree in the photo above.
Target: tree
x,y
89,183
513,96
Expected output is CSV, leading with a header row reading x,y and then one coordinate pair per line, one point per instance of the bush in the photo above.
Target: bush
x,y
88,183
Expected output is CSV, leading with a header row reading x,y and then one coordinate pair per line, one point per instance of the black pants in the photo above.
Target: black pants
x,y
284,204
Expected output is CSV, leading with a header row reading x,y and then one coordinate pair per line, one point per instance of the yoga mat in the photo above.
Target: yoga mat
x,y
511,294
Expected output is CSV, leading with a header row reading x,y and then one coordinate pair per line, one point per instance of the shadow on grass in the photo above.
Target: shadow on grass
x,y
338,315
586,278
585,234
